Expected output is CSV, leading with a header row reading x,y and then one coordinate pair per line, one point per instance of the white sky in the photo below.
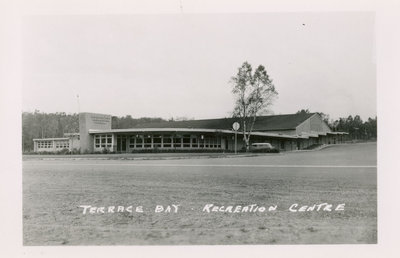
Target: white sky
x,y
173,65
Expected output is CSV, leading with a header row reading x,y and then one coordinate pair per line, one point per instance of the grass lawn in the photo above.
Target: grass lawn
x,y
54,190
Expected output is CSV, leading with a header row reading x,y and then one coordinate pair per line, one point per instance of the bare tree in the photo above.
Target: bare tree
x,y
254,94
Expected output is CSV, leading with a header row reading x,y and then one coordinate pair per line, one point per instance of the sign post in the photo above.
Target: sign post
x,y
236,127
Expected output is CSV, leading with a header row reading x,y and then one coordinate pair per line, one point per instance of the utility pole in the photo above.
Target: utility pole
x,y
181,6
79,108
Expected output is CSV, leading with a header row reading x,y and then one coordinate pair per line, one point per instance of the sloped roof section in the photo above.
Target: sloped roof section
x,y
263,123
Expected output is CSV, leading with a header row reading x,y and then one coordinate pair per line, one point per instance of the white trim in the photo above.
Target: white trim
x,y
188,130
52,139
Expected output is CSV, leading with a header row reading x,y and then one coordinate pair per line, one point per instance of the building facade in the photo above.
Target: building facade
x,y
70,142
284,132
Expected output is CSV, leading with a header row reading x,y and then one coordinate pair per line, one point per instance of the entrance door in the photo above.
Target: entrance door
x,y
121,143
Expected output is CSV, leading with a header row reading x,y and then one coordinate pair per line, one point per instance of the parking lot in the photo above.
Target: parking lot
x,y
56,192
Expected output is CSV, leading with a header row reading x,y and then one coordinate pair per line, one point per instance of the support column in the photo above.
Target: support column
x,y
128,143
113,142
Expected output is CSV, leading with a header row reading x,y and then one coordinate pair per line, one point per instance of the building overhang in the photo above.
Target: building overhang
x,y
309,135
338,133
185,130
279,129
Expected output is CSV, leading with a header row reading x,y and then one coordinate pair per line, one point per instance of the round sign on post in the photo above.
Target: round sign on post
x,y
236,126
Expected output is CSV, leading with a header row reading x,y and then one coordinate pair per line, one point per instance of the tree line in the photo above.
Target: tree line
x,y
36,125
42,125
53,125
355,126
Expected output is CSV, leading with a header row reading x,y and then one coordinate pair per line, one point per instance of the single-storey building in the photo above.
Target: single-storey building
x,y
70,141
285,132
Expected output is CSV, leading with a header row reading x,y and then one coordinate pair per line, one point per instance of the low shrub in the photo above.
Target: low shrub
x,y
314,146
180,151
63,152
265,150
105,151
75,151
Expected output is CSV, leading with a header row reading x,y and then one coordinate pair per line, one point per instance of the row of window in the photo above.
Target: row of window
x,y
45,144
169,141
165,141
62,145
103,141
49,144
157,141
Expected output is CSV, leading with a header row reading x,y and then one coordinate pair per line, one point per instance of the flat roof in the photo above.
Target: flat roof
x,y
337,133
52,139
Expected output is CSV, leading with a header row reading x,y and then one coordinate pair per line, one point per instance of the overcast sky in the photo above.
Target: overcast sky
x,y
175,65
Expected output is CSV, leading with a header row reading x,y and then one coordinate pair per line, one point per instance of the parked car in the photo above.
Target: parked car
x,y
263,147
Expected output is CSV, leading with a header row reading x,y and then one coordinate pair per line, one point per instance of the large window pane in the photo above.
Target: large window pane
x,y
139,141
167,141
177,142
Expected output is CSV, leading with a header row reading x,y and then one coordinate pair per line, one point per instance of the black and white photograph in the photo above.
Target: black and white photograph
x,y
188,128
